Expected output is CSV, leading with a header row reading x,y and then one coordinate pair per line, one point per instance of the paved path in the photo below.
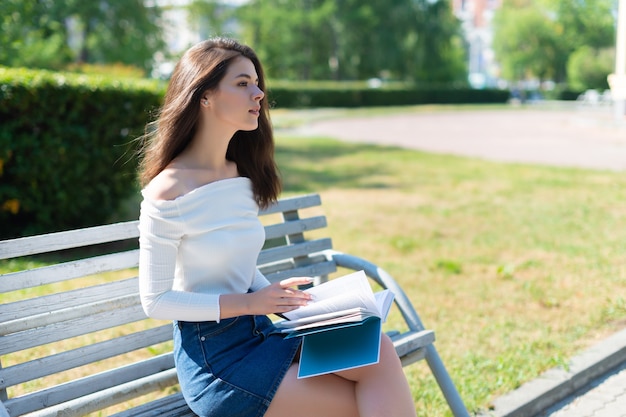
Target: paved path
x,y
545,136
595,383
605,397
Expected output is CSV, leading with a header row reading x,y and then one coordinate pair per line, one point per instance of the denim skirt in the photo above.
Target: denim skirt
x,y
231,368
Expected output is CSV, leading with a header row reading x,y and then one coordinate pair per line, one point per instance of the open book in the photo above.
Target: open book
x,y
341,328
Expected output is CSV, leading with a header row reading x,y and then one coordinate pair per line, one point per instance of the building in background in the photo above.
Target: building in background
x,y
476,17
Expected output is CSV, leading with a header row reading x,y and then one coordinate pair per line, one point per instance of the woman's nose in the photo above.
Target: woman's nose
x,y
258,94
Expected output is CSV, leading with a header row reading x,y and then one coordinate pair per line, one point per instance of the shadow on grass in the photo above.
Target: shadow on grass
x,y
314,164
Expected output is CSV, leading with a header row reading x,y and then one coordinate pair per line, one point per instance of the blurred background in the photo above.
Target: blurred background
x,y
538,45
79,80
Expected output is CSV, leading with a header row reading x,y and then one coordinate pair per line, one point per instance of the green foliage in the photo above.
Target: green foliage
x,y
111,70
346,40
589,68
313,95
588,23
439,52
535,39
66,147
527,44
31,38
51,34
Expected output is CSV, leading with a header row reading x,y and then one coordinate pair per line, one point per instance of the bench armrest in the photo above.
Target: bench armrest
x,y
382,278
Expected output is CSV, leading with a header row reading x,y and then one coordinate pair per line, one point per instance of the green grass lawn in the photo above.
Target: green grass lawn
x,y
516,267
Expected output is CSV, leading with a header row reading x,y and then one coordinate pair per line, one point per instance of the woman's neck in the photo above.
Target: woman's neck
x,y
208,149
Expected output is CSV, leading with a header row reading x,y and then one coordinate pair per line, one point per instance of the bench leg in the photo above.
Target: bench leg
x,y
445,382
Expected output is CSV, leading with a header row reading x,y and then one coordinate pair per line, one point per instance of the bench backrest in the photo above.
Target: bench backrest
x,y
74,330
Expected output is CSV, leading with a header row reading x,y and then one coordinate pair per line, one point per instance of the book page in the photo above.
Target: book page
x,y
356,316
384,299
317,318
344,293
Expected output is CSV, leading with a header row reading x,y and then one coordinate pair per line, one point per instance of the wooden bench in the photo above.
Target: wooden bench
x,y
74,339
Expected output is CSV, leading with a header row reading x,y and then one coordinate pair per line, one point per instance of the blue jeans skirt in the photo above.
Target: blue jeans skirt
x,y
231,368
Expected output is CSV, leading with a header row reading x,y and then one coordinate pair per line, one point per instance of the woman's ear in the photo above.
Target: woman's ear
x,y
205,100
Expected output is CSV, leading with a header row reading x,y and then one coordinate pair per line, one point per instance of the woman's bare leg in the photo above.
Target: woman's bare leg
x,y
319,396
382,389
379,390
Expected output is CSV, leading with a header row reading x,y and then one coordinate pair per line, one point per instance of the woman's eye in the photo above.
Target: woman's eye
x,y
243,83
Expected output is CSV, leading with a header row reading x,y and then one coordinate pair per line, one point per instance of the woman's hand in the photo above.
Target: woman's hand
x,y
279,297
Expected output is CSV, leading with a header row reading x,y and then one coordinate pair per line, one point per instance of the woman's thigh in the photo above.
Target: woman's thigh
x,y
388,368
325,395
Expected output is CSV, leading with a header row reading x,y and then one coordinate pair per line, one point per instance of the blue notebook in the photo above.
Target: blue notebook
x,y
341,328
343,347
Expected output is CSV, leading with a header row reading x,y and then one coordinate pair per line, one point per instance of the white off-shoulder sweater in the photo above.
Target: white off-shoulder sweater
x,y
196,247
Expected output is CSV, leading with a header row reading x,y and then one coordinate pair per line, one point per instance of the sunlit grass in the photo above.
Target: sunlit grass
x,y
516,267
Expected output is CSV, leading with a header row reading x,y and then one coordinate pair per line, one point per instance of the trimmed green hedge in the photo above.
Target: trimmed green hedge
x,y
67,150
294,97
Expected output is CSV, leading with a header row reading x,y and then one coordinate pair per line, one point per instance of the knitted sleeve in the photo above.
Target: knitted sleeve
x,y
160,234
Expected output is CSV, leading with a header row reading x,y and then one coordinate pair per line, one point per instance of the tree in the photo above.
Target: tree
x,y
527,44
587,22
51,34
535,39
439,44
282,33
123,31
588,68
352,39
211,17
30,37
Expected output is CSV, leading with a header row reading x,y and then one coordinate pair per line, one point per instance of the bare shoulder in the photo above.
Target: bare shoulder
x,y
169,184
179,179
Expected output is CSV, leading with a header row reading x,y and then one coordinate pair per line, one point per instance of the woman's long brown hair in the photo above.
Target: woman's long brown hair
x,y
201,69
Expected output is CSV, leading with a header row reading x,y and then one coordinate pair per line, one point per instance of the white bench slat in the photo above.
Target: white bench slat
x,y
290,263
410,341
413,356
59,362
62,300
92,393
294,226
51,242
295,250
71,328
68,270
315,270
112,396
293,203
171,406
64,315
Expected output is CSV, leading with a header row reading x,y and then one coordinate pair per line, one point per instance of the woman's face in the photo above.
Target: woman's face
x,y
237,100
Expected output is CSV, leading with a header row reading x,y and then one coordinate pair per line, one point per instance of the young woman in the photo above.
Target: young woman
x,y
208,166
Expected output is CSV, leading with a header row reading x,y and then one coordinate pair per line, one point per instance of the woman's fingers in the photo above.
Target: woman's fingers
x,y
290,296
295,281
